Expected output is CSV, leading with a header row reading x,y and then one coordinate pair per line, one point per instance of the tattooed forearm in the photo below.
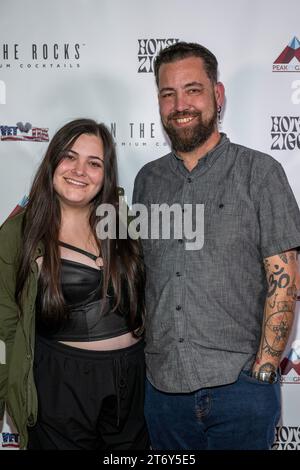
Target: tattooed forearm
x,y
283,277
277,328
278,279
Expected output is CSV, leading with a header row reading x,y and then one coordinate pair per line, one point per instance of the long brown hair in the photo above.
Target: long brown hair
x,y
123,266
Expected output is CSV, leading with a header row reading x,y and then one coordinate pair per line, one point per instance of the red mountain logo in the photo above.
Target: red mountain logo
x,y
285,62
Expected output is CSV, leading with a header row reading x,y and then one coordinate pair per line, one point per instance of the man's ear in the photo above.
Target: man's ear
x,y
220,93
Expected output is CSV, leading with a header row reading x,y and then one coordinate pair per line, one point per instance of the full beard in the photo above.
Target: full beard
x,y
188,139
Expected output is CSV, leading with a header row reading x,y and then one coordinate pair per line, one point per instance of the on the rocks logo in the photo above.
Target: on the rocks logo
x,y
289,59
138,134
54,55
290,365
148,50
23,132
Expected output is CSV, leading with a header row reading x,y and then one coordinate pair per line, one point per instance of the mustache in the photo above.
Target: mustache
x,y
183,114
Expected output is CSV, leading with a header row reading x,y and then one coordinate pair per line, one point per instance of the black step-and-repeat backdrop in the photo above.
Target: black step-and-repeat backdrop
x,y
94,58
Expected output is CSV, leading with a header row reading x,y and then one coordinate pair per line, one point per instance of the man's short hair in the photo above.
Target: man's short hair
x,y
182,50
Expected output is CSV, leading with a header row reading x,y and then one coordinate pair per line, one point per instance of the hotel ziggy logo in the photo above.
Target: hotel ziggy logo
x,y
287,438
289,59
285,133
148,50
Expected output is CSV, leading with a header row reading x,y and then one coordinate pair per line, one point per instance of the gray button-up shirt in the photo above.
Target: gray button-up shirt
x,y
205,307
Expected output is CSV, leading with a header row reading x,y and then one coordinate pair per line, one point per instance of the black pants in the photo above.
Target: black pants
x,y
90,400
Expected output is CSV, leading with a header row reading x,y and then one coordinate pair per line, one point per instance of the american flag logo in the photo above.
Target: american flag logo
x,y
10,440
23,133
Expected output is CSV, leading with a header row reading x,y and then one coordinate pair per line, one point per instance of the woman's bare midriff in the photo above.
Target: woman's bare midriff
x,y
118,342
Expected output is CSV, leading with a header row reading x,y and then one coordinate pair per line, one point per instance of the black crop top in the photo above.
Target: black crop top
x,y
90,315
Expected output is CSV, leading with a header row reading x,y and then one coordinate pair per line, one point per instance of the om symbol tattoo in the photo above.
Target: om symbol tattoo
x,y
278,280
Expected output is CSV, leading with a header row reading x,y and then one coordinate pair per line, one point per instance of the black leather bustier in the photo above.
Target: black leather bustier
x,y
90,315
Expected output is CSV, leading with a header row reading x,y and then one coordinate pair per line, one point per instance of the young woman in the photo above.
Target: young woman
x,y
71,308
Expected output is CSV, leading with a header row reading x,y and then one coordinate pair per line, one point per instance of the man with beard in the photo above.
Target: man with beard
x,y
218,318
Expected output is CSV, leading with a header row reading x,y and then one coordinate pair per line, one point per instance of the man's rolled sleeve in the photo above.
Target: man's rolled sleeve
x,y
279,214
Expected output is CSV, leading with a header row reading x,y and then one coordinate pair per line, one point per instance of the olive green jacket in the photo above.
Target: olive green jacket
x,y
17,389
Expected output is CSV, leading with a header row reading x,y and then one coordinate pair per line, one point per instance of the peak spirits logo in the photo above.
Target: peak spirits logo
x,y
289,59
2,92
23,132
40,56
147,51
290,365
285,132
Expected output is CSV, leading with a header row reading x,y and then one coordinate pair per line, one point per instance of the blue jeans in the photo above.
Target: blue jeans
x,y
238,416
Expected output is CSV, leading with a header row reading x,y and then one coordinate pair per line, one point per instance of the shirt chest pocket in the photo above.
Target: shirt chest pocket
x,y
154,243
154,251
223,221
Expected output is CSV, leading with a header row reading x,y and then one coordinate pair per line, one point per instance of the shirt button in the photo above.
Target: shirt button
x,y
178,307
189,180
181,340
